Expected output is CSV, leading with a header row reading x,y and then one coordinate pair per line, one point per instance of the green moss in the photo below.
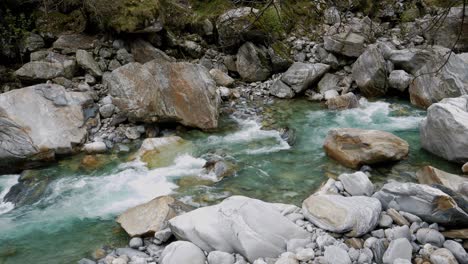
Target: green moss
x,y
210,9
132,15
270,21
56,22
410,15
281,49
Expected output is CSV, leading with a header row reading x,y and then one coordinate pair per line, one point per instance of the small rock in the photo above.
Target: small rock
x,y
398,232
305,254
182,252
135,242
107,110
336,255
95,147
397,217
431,236
457,250
385,221
443,256
221,78
398,249
219,257
132,133
357,183
162,236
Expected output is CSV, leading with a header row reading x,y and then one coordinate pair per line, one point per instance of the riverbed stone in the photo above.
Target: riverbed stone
x,y
465,168
219,257
398,249
431,236
150,217
53,66
239,224
348,44
95,147
301,76
253,63
163,92
144,52
445,129
430,204
357,184
430,175
160,152
135,242
356,147
221,78
38,122
182,252
457,250
336,255
397,217
354,216
281,90
341,102
87,62
443,256
400,80
370,72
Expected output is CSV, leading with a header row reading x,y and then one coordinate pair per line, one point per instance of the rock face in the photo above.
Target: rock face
x,y
52,66
348,44
356,147
239,224
253,63
166,92
430,175
430,204
445,129
182,252
352,215
38,122
369,72
151,217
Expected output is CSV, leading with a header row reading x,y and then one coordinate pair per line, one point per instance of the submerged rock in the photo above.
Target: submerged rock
x,y
356,147
445,129
151,217
166,92
354,216
430,204
239,224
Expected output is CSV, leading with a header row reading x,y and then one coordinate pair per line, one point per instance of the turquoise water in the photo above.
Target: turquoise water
x,y
74,215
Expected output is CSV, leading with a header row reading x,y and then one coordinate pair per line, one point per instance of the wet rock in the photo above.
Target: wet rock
x,y
144,52
38,122
355,215
160,152
219,257
399,80
430,204
398,249
443,256
53,66
336,255
301,76
219,166
87,62
357,183
221,78
347,44
281,90
430,175
356,147
253,63
341,102
187,95
95,147
370,73
431,236
445,129
150,217
238,224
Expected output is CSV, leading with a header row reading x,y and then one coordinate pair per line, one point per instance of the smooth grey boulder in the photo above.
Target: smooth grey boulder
x,y
445,129
348,44
182,252
281,90
431,236
398,232
398,249
165,92
409,60
400,80
219,257
370,72
250,227
443,256
253,63
329,82
357,183
52,66
457,250
38,122
355,215
87,62
301,76
432,85
430,204
336,255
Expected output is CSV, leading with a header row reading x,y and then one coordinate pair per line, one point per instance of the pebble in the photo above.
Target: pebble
x,y
431,236
457,250
336,255
398,249
385,221
305,254
136,242
219,257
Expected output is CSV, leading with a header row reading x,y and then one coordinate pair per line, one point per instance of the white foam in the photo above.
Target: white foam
x,y
6,182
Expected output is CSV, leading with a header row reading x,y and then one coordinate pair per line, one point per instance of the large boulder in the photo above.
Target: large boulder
x,y
370,73
148,218
347,44
52,66
430,204
356,147
354,216
445,129
298,78
166,92
253,63
239,224
430,175
38,122
179,252
144,52
235,25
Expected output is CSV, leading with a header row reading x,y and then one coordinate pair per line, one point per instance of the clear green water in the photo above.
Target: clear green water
x,y
75,214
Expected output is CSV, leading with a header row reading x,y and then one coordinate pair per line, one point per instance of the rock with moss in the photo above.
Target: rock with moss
x,y
234,24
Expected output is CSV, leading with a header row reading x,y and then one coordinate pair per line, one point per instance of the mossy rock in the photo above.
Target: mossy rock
x,y
56,22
